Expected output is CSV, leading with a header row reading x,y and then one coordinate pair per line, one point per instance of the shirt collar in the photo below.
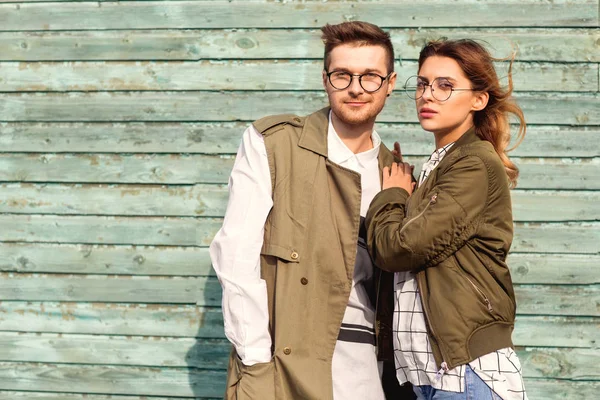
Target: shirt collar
x,y
438,154
339,153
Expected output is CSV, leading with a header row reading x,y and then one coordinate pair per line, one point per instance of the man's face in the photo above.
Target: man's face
x,y
353,105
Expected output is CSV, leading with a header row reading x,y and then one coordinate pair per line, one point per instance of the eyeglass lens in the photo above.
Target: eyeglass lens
x,y
441,88
369,82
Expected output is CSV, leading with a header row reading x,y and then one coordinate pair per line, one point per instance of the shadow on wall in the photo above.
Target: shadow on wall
x,y
207,358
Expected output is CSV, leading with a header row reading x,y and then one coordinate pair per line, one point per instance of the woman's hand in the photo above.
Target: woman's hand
x,y
399,175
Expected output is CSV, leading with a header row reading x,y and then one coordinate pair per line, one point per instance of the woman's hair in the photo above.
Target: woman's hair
x,y
358,33
491,123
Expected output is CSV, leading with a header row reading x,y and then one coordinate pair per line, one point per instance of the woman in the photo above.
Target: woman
x,y
447,241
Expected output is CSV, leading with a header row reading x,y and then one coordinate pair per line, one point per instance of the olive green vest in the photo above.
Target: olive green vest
x,y
307,258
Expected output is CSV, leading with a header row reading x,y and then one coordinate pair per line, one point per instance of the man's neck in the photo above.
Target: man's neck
x,y
356,137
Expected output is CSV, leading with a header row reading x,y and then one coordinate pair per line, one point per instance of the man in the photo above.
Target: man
x,y
299,288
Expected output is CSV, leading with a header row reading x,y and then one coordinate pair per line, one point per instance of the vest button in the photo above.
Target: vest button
x,y
294,255
287,351
297,119
304,281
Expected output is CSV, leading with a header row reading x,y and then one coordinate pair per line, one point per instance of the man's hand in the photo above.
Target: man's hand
x,y
399,175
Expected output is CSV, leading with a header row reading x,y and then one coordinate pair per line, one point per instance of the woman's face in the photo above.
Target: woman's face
x,y
454,116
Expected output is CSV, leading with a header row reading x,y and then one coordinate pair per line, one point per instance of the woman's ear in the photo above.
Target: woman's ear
x,y
480,100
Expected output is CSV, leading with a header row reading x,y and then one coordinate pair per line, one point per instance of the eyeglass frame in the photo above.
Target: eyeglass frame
x,y
431,89
360,76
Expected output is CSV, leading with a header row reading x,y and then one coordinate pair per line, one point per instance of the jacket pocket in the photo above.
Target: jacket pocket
x,y
249,382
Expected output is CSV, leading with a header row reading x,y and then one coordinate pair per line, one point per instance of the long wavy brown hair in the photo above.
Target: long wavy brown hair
x,y
491,123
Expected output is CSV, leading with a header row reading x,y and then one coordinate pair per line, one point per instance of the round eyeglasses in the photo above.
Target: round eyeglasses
x,y
370,82
441,88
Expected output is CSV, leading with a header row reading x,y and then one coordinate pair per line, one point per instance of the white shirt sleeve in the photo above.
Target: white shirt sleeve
x,y
235,251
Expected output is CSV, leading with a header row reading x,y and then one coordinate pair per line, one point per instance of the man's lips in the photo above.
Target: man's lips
x,y
427,112
356,103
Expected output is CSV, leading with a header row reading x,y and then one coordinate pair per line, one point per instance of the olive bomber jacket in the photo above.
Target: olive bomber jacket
x,y
454,233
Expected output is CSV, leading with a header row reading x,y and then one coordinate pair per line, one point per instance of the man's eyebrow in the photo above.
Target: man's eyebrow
x,y
365,71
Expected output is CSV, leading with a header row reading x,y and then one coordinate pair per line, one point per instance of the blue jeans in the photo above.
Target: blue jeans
x,y
475,389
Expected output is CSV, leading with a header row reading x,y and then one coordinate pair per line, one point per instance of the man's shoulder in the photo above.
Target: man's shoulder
x,y
273,123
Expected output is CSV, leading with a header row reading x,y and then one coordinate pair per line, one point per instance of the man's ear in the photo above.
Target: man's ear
x,y
480,101
391,83
324,76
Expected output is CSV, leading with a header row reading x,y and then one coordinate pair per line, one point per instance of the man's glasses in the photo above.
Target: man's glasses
x,y
441,88
370,82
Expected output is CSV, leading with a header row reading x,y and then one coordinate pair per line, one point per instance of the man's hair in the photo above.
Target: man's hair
x,y
357,33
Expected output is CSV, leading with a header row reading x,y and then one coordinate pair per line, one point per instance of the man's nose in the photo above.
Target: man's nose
x,y
355,87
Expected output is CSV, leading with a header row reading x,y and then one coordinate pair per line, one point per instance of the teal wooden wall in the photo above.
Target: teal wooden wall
x,y
119,124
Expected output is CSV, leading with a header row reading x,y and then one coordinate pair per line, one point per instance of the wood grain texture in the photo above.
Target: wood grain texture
x,y
265,14
186,169
529,237
140,381
127,319
567,300
211,201
124,260
10,395
540,108
213,353
532,44
250,75
225,137
159,320
579,238
193,261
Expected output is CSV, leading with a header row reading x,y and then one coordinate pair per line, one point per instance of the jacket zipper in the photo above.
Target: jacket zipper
x,y
444,365
485,298
432,200
377,320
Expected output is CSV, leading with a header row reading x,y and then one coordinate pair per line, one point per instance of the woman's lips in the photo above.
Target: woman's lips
x,y
427,113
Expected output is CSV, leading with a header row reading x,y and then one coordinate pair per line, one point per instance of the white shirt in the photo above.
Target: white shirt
x,y
235,254
501,369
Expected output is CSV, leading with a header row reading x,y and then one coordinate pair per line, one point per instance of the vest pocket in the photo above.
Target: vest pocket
x,y
288,254
249,382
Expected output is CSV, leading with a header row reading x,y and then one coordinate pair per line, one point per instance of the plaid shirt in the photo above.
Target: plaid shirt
x,y
501,369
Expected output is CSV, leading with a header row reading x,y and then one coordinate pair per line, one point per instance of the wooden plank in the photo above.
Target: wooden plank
x,y
211,201
177,352
149,351
98,288
534,44
564,363
209,138
113,168
573,238
109,230
130,200
119,260
580,300
190,321
10,395
194,261
537,389
542,108
553,173
140,381
559,363
171,320
554,268
542,205
221,14
558,300
250,75
581,238
566,331
558,389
